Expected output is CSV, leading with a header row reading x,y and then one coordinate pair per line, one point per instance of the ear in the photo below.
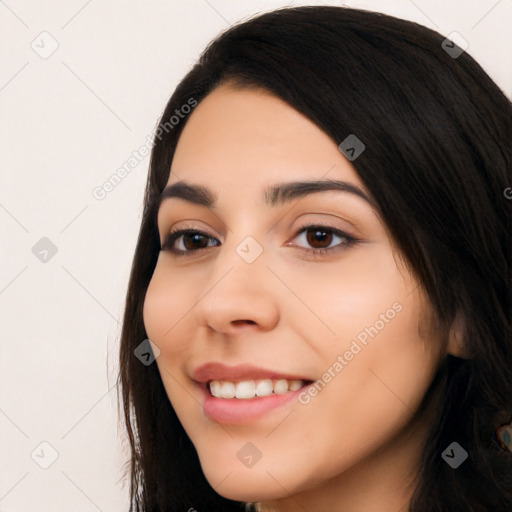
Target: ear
x,y
456,339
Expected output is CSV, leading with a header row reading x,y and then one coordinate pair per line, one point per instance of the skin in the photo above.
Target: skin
x,y
355,445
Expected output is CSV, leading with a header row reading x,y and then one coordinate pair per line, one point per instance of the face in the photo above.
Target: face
x,y
318,331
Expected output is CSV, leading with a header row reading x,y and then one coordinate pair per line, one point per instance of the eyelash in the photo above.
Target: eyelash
x,y
349,240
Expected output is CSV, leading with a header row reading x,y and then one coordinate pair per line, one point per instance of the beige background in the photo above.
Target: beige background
x,y
69,120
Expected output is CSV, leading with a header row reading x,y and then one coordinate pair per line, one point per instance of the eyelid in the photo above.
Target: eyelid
x,y
187,227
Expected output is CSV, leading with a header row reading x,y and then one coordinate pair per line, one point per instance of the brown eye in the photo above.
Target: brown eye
x,y
320,239
194,240
320,236
191,241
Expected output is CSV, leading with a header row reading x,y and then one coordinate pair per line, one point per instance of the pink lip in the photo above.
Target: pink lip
x,y
219,371
238,411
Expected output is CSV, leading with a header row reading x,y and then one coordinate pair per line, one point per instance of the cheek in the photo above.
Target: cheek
x,y
397,364
351,297
386,365
163,312
379,389
369,400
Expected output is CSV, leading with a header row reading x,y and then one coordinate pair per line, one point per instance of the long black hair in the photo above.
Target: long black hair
x,y
438,162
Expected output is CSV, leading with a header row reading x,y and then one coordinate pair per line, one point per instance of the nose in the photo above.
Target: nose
x,y
238,295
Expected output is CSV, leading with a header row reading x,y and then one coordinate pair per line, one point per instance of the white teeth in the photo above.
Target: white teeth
x,y
245,389
227,389
295,384
281,386
264,387
215,386
249,388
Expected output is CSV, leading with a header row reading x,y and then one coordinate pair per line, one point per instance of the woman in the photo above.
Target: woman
x,y
324,272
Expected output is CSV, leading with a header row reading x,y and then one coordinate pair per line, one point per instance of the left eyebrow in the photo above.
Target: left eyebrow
x,y
275,195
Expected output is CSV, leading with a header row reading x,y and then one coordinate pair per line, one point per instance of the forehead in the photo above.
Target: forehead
x,y
249,138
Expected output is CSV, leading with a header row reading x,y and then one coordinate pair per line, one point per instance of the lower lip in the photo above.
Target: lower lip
x,y
244,410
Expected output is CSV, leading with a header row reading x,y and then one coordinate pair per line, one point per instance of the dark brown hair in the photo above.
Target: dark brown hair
x,y
437,161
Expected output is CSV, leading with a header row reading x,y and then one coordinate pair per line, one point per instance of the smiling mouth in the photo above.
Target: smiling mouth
x,y
253,389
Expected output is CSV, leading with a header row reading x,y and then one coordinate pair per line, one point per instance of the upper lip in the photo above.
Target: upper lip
x,y
218,371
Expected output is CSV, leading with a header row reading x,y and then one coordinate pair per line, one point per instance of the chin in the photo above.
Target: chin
x,y
236,482
244,488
